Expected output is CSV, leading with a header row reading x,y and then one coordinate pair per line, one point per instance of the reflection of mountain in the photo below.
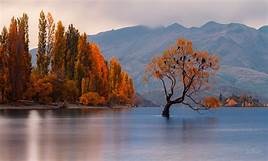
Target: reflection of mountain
x,y
243,52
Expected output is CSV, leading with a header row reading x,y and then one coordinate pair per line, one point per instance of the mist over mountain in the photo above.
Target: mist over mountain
x,y
243,53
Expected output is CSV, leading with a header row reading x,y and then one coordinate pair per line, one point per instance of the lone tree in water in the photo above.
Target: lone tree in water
x,y
183,73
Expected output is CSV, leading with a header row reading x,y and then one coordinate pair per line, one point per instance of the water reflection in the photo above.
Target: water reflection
x,y
13,140
126,135
32,125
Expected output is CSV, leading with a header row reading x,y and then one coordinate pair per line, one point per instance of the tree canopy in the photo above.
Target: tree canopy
x,y
183,72
69,68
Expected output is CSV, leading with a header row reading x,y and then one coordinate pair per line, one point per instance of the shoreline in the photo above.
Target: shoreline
x,y
78,106
57,107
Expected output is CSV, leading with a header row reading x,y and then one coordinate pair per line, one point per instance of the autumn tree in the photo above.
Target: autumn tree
x,y
42,66
114,75
41,88
211,102
59,52
4,72
183,73
121,88
114,78
92,98
131,93
83,62
50,38
72,36
70,91
69,68
98,71
26,63
19,60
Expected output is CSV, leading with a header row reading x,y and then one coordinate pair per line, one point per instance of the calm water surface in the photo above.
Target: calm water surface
x,y
134,135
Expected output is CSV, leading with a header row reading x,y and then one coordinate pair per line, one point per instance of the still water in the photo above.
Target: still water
x,y
139,134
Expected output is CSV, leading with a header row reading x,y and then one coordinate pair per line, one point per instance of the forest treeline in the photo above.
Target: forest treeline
x,y
68,68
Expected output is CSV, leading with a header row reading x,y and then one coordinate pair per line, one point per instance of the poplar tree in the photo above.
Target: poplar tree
x,y
72,36
58,52
50,38
41,51
26,65
19,60
4,72
83,62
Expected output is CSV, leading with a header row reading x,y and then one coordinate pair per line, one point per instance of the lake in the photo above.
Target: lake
x,y
140,134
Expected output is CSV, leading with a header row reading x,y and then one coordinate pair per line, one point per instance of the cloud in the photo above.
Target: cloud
x,y
94,16
190,12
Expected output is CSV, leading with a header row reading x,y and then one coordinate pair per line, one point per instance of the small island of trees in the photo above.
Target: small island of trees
x,y
68,68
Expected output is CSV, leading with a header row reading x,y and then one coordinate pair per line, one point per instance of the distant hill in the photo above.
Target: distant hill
x,y
243,53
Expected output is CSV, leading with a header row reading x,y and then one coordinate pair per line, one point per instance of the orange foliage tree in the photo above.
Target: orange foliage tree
x,y
59,52
69,68
99,71
92,98
19,58
4,72
83,62
183,73
211,101
70,91
121,88
41,88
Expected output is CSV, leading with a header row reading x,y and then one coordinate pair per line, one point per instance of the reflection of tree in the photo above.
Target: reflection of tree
x,y
13,137
196,137
189,137
14,113
33,136
195,129
71,135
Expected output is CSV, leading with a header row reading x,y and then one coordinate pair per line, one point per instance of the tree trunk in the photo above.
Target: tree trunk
x,y
165,112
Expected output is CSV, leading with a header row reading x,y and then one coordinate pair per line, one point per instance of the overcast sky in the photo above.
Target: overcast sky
x,y
93,16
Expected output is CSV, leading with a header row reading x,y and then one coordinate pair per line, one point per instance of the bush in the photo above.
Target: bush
x,y
211,101
40,89
70,91
92,98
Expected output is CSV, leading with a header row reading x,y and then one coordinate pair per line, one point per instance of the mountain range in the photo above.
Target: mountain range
x,y
243,53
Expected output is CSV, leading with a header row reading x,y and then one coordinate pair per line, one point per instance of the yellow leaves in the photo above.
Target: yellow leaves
x,y
85,85
75,64
181,58
92,98
121,88
70,91
98,61
180,65
185,46
40,89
